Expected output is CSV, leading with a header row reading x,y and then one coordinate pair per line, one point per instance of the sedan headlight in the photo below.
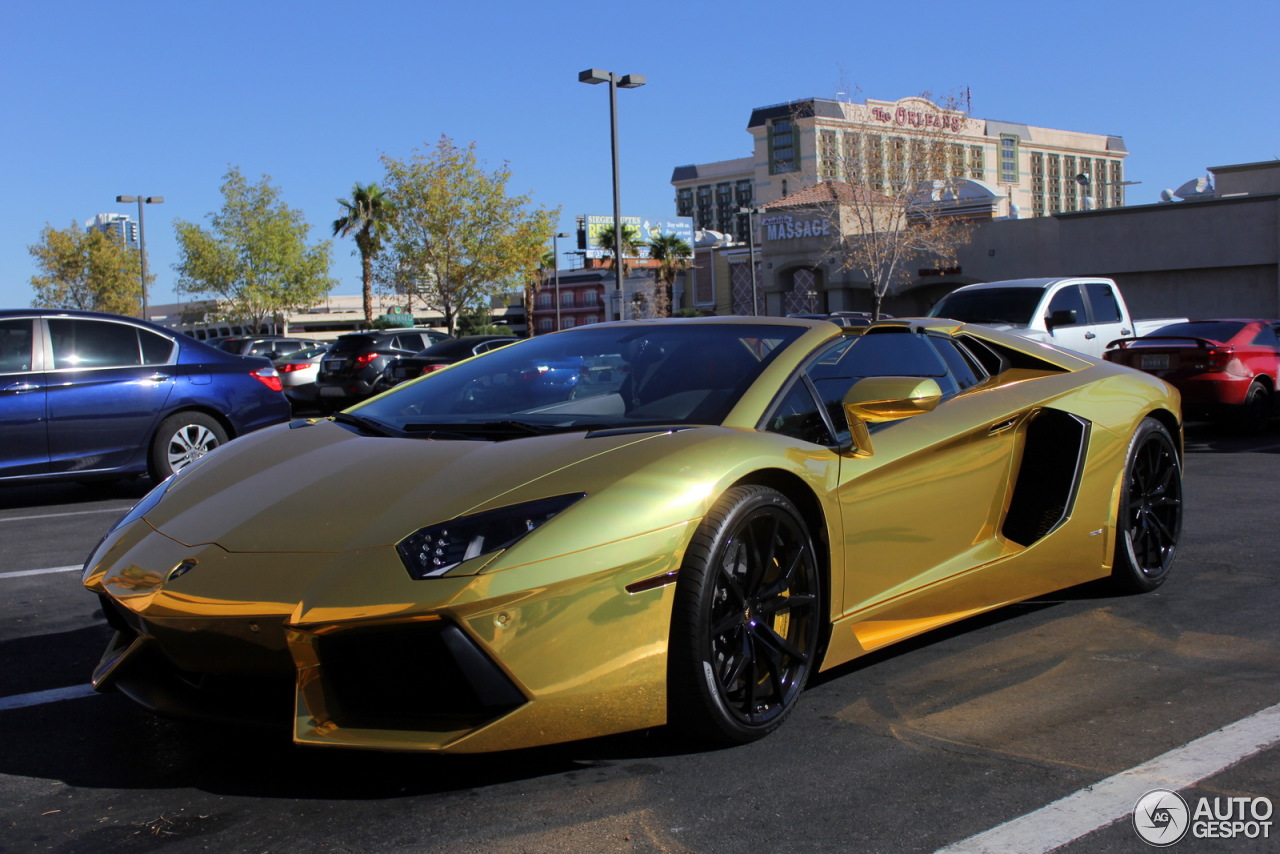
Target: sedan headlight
x,y
432,551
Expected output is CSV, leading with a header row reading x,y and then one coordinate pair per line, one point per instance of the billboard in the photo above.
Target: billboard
x,y
590,226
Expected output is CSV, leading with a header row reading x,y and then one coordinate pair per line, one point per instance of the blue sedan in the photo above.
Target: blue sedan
x,y
85,395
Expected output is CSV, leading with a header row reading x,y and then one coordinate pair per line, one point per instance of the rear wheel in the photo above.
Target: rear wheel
x,y
747,619
182,439
1150,519
1255,413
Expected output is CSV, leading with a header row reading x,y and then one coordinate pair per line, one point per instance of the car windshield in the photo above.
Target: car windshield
x,y
598,377
990,305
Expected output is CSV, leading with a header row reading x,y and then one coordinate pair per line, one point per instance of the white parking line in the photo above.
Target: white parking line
x,y
118,510
1105,803
39,698
21,572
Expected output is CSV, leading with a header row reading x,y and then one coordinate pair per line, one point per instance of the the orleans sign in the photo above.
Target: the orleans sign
x,y
795,228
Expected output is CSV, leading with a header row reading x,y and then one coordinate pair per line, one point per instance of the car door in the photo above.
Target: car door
x,y
1079,335
25,449
107,390
926,504
1105,315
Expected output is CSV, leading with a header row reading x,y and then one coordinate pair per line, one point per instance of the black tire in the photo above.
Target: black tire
x,y
747,620
182,439
1254,415
1150,518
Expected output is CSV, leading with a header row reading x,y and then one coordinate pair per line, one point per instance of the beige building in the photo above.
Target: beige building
x,y
1034,171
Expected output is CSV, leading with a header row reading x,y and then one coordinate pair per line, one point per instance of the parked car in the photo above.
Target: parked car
x,y
1080,314
352,370
738,505
271,347
298,372
87,394
1226,369
439,356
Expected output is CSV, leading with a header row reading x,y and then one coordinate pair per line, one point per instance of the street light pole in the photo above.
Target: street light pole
x,y
751,253
555,271
626,81
142,239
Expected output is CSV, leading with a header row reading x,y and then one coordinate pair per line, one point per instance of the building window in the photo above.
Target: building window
x,y
566,299
875,161
782,146
829,152
546,300
1008,158
743,193
976,164
546,324
897,162
684,202
853,158
1117,183
725,208
1055,183
568,323
706,211
1069,184
1037,184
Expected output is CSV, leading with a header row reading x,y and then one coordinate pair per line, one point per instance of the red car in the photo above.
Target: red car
x,y
1224,368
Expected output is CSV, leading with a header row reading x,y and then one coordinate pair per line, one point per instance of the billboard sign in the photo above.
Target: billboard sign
x,y
590,226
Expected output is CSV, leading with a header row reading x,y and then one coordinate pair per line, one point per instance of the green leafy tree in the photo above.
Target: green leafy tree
x,y
368,216
672,255
459,239
254,257
631,245
86,270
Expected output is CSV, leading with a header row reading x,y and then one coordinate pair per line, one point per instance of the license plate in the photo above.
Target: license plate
x,y
335,364
1155,361
330,391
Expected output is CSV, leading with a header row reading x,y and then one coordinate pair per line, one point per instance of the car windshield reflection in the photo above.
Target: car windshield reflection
x,y
596,378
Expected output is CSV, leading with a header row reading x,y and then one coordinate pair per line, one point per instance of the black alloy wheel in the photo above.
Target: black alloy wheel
x,y
747,620
1150,519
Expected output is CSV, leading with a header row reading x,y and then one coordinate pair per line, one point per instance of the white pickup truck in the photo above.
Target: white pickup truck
x,y
1080,313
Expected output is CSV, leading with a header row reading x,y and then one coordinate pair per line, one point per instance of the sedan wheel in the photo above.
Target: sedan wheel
x,y
181,440
1255,414
747,619
1150,519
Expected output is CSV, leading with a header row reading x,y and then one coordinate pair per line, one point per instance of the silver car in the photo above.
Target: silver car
x,y
298,374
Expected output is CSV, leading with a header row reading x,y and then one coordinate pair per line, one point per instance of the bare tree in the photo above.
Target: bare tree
x,y
891,197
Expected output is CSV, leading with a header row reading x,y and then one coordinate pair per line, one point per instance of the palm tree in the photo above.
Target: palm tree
x,y
672,255
631,245
546,269
369,217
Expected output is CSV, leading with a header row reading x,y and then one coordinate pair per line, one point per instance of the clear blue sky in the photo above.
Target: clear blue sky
x,y
160,98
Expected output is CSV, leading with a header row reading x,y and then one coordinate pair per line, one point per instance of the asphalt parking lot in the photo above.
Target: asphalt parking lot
x,y
918,748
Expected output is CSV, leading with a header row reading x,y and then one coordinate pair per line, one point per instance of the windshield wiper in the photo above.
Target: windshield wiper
x,y
369,425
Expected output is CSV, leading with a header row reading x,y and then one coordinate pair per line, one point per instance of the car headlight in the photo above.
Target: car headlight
x,y
432,551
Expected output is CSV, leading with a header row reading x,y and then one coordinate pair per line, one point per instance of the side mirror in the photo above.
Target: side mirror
x,y
1061,317
877,399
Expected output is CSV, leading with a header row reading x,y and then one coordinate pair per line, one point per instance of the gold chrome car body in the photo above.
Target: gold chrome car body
x,y
233,601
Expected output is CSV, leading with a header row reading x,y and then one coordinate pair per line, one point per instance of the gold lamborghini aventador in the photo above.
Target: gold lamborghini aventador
x,y
633,524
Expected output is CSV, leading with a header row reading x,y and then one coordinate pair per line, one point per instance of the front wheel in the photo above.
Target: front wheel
x,y
747,619
1150,518
181,440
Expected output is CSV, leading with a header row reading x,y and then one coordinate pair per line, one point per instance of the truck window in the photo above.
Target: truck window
x,y
1070,299
1102,300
